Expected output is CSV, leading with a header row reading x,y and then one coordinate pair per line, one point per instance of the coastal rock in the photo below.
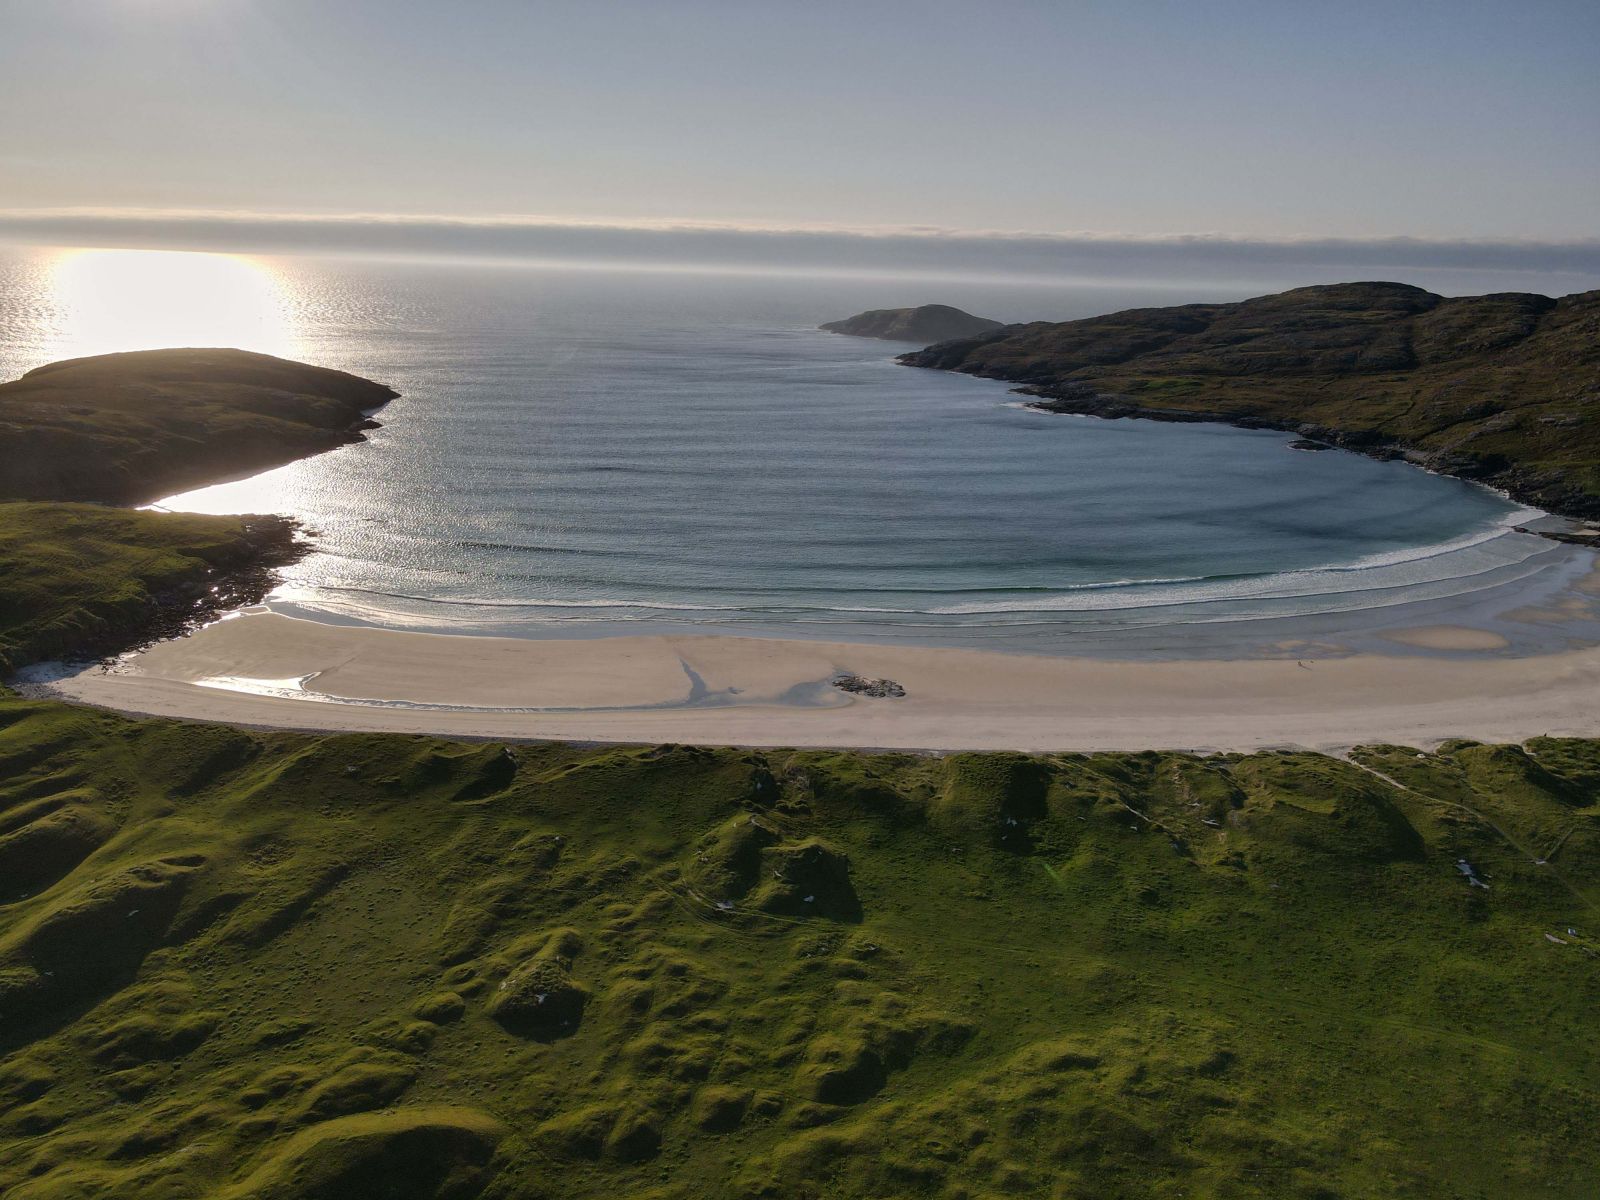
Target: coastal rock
x,y
926,324
877,689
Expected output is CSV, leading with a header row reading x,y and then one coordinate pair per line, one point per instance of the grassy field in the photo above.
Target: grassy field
x,y
82,579
269,965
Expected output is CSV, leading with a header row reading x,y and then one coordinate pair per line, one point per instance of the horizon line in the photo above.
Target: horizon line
x,y
1180,260
355,218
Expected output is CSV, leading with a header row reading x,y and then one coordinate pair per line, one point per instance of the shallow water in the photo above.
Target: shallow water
x,y
597,451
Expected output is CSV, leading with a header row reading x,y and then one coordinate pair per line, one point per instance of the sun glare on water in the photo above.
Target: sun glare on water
x,y
109,300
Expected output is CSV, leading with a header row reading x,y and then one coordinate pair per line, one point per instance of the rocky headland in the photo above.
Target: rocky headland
x,y
926,324
1504,388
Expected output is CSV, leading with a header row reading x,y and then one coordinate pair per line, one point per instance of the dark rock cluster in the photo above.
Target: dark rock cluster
x,y
878,689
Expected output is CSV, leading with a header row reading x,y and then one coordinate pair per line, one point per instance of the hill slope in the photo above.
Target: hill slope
x,y
239,964
1503,388
131,428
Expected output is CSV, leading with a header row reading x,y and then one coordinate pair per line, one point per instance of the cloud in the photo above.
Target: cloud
x,y
700,245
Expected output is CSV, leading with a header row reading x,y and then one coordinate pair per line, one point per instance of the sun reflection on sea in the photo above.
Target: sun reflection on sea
x,y
108,300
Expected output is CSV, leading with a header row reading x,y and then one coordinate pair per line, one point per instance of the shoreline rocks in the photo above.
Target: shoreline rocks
x,y
876,689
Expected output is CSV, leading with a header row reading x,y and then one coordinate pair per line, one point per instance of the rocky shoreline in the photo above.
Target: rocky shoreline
x,y
1550,493
242,578
227,575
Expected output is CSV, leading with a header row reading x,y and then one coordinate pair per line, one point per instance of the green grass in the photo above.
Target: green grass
x,y
271,965
79,578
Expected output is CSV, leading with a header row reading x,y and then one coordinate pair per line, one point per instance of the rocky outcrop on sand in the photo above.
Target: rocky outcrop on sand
x,y
877,689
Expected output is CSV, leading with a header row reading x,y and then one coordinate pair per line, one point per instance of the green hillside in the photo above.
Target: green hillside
x,y
79,579
240,964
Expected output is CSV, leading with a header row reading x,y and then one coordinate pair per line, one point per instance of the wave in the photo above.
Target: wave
x,y
1369,578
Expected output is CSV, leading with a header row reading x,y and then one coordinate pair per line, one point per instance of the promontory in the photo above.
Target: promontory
x,y
81,579
131,428
1502,388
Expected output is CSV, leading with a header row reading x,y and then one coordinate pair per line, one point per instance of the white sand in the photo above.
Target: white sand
x,y
776,693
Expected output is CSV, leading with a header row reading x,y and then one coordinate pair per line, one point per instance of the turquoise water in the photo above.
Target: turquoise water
x,y
581,452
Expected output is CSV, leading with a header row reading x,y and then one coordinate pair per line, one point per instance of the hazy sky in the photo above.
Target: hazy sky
x,y
1291,117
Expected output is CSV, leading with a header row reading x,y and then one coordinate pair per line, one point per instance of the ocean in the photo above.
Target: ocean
x,y
585,452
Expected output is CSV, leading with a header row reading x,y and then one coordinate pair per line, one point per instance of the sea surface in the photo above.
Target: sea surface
x,y
580,452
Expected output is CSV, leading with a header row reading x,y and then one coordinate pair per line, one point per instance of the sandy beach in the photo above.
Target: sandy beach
x,y
266,669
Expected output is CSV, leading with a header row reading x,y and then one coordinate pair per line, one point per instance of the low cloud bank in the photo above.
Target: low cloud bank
x,y
1572,266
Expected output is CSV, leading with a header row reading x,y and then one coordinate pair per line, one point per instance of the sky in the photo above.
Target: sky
x,y
1295,121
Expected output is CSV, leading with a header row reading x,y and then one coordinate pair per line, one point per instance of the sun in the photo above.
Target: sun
x,y
109,300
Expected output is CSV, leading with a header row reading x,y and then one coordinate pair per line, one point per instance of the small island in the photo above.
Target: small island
x,y
926,324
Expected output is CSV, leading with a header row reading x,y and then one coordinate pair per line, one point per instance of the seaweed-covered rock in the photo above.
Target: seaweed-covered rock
x,y
876,689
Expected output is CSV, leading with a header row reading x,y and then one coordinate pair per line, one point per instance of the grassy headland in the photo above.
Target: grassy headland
x,y
131,428
1502,388
84,580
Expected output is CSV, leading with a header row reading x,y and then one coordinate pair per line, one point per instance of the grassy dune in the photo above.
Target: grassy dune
x,y
270,965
